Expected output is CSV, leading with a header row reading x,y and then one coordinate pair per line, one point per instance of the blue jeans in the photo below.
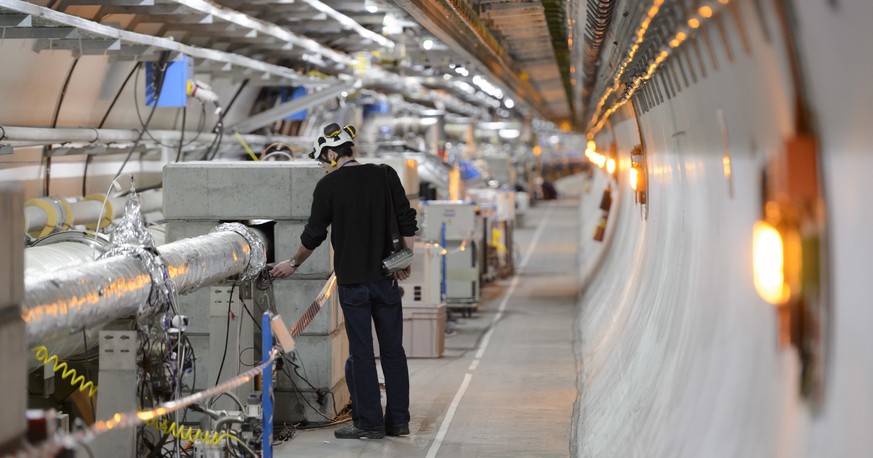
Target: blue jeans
x,y
377,303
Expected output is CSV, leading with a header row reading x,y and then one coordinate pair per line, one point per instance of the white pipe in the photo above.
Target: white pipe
x,y
86,212
48,135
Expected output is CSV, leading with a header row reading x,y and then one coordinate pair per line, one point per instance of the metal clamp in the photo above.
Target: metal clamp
x,y
163,289
258,252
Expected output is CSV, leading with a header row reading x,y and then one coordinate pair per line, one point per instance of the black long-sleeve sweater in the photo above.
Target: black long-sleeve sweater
x,y
354,202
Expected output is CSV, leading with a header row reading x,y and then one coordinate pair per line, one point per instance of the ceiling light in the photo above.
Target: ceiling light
x,y
427,44
509,103
509,134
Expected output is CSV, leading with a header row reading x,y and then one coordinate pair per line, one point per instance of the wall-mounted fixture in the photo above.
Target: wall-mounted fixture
x,y
639,175
610,166
789,257
605,206
768,254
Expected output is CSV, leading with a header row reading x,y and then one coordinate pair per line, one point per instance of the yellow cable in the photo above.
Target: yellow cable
x,y
42,354
190,434
245,145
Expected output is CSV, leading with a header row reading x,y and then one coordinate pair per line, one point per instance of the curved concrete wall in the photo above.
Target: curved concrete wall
x,y
679,355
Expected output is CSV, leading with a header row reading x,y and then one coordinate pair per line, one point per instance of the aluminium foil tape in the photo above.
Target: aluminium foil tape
x,y
258,259
132,229
95,293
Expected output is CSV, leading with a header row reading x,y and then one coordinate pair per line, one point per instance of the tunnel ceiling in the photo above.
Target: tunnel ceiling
x,y
523,43
520,46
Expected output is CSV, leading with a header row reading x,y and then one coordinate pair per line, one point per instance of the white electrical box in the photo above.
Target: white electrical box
x,y
458,217
505,205
423,285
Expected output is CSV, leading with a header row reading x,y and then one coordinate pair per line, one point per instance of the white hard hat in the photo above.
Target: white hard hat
x,y
333,136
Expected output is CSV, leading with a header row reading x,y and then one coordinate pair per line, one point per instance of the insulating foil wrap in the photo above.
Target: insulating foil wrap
x,y
132,229
64,301
259,252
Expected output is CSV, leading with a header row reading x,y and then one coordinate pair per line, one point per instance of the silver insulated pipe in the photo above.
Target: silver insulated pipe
x,y
67,300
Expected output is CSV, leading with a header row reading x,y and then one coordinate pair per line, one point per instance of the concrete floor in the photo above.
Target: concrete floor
x,y
506,384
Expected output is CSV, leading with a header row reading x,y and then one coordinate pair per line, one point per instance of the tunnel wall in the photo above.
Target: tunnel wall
x,y
678,354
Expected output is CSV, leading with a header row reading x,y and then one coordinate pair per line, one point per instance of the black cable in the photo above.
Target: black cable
x,y
144,125
88,374
159,82
230,104
103,122
252,316
193,366
48,159
182,132
218,144
226,336
118,95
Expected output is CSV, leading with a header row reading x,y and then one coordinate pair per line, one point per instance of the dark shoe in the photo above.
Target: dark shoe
x,y
397,430
351,432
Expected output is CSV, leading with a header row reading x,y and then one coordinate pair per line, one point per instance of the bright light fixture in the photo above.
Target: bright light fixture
x,y
769,264
610,166
509,103
509,134
427,44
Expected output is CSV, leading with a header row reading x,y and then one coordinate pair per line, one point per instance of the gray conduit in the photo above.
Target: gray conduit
x,y
65,301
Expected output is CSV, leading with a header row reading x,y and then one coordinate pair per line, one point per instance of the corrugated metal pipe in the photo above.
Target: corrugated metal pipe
x,y
598,19
68,300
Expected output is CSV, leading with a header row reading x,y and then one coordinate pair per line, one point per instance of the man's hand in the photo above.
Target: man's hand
x,y
401,275
283,269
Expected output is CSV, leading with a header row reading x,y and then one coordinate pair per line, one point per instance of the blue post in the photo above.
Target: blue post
x,y
267,388
443,291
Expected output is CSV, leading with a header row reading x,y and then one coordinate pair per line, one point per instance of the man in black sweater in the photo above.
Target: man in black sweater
x,y
352,199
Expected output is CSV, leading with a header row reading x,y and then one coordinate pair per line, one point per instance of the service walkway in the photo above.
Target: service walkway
x,y
506,384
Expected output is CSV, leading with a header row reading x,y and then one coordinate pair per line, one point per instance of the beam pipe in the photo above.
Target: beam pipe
x,y
65,301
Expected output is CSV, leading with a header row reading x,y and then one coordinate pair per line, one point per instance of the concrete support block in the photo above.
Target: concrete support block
x,y
13,341
200,343
322,361
186,229
293,406
239,190
293,297
286,237
195,305
11,245
13,360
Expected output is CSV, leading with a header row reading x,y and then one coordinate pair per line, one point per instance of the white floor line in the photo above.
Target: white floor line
x,y
483,344
444,428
